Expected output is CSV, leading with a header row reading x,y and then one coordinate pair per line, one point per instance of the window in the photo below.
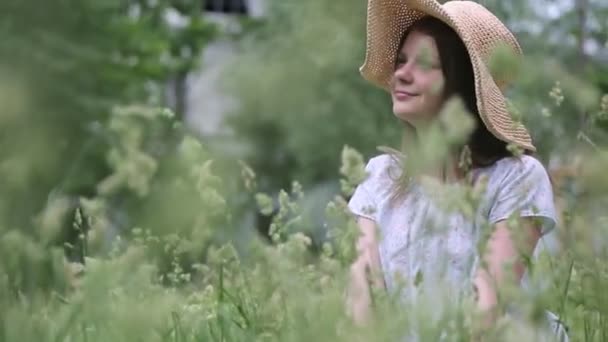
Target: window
x,y
226,6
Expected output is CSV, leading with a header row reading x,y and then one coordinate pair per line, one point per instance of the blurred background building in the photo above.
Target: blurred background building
x,y
205,104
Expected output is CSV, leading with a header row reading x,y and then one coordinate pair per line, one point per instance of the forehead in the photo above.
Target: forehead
x,y
418,42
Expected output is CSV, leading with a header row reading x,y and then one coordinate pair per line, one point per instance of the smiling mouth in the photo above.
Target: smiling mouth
x,y
403,95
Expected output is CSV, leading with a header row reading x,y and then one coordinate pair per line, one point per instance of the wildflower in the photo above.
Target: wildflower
x,y
556,94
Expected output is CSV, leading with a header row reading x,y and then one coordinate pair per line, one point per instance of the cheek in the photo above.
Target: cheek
x,y
437,86
434,84
433,92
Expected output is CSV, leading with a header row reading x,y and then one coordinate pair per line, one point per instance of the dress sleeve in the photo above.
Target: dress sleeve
x,y
524,189
363,201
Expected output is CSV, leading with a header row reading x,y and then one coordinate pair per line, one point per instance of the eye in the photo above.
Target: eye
x,y
435,65
401,59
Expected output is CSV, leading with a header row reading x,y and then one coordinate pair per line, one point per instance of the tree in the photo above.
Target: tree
x,y
301,97
68,64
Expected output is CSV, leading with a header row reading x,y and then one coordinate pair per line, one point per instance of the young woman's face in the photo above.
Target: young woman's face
x,y
418,80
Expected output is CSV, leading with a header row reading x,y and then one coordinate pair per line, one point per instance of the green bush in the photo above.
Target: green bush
x,y
173,272
158,216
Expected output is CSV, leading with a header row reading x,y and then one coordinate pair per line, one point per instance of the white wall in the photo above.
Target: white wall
x,y
205,103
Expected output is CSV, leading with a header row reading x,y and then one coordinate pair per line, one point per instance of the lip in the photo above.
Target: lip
x,y
403,95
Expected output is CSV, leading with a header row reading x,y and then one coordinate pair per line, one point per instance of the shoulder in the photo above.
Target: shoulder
x,y
514,169
382,170
380,161
522,185
370,194
522,179
382,165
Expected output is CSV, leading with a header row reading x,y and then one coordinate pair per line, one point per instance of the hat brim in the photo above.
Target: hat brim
x,y
388,20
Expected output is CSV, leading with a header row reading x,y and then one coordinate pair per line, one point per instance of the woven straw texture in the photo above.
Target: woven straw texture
x,y
481,32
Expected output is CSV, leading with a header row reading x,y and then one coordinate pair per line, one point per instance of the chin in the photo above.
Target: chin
x,y
404,114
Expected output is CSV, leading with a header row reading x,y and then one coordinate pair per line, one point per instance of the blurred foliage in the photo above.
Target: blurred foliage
x,y
87,144
301,97
260,291
64,65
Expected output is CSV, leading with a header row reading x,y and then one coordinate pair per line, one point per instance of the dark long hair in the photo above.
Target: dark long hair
x,y
457,69
484,148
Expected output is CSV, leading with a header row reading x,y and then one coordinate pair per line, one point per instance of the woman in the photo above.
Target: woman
x,y
425,53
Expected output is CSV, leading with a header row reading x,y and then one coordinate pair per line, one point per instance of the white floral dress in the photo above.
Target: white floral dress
x,y
425,248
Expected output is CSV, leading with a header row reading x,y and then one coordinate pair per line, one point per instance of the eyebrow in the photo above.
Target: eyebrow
x,y
400,56
435,60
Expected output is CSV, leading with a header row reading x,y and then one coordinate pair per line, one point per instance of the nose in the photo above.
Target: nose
x,y
403,73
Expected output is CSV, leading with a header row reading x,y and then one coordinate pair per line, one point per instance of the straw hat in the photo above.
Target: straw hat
x,y
481,32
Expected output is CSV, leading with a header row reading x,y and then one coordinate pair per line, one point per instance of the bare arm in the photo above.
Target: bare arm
x,y
364,271
504,247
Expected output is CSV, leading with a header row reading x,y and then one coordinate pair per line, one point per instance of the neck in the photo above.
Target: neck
x,y
446,171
